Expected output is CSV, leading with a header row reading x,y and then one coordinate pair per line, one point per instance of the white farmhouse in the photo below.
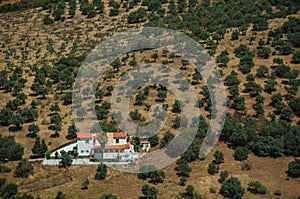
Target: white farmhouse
x,y
116,147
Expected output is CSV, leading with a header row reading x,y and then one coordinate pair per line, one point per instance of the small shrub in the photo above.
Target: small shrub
x,y
246,165
219,157
256,187
231,188
212,189
85,184
6,169
294,168
213,168
24,169
182,181
241,153
223,175
277,192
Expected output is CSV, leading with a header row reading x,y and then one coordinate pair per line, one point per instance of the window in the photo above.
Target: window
x,y
86,141
117,141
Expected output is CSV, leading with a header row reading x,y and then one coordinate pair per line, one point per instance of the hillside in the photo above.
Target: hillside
x,y
43,44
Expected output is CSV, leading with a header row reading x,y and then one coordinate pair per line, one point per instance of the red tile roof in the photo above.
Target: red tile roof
x,y
84,135
121,146
119,135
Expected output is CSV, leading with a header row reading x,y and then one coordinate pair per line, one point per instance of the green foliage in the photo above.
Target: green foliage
x,y
223,175
223,58
189,191
177,107
292,141
213,168
33,129
60,195
246,63
219,157
116,64
154,140
9,149
72,132
140,98
246,165
231,188
256,187
85,184
264,52
273,128
66,160
262,71
108,196
6,116
212,189
24,169
161,94
135,115
232,80
296,57
183,168
48,20
294,168
241,153
183,180
241,51
168,136
282,71
137,16
149,192
277,192
157,177
55,107
39,148
267,146
260,24
235,35
101,172
9,191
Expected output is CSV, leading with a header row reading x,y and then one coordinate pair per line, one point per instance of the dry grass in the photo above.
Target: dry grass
x,y
48,180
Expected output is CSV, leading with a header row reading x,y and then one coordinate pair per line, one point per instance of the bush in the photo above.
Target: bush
x,y
256,188
265,146
213,189
183,168
101,172
85,184
168,136
183,180
219,157
246,165
24,169
294,169
66,160
60,195
149,191
108,196
277,192
223,175
213,168
9,149
241,153
231,188
9,191
6,169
